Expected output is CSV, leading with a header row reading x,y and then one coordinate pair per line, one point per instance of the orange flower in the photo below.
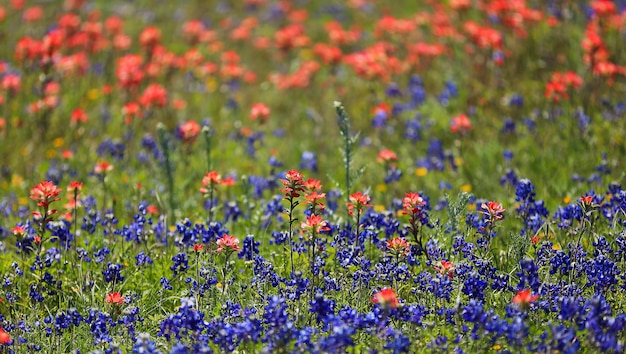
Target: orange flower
x,y
386,297
359,201
386,155
189,131
228,243
260,111
102,167
45,193
114,298
524,298
399,246
5,338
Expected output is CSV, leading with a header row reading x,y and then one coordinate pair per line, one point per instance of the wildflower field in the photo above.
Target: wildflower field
x,y
273,176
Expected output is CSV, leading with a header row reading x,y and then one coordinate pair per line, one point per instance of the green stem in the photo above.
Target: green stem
x,y
169,171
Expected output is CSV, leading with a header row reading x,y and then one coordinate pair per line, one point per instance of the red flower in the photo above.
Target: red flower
x,y
260,111
5,338
313,184
19,230
74,185
461,124
228,243
386,297
524,298
79,116
198,247
211,179
315,224
293,183
445,267
412,203
45,193
114,298
189,131
102,167
150,37
359,201
399,246
493,209
154,95
586,199
386,156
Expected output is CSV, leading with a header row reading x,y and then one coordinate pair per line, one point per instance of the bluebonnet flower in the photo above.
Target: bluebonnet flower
x,y
532,212
142,259
180,263
322,308
296,286
528,275
280,330
112,273
474,286
186,323
393,90
145,345
602,272
249,249
231,211
413,129
165,283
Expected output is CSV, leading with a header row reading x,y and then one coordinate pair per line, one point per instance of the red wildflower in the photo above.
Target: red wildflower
x,y
412,203
313,184
493,209
189,131
198,247
19,230
154,95
260,111
114,298
11,83
386,155
461,124
524,298
293,183
315,224
586,199
386,297
399,246
211,179
228,243
150,37
314,197
5,338
45,193
78,116
359,201
102,167
445,267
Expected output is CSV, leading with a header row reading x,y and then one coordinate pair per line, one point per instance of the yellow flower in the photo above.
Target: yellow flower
x,y
93,94
58,142
567,199
466,188
379,208
211,85
421,172
556,246
381,188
